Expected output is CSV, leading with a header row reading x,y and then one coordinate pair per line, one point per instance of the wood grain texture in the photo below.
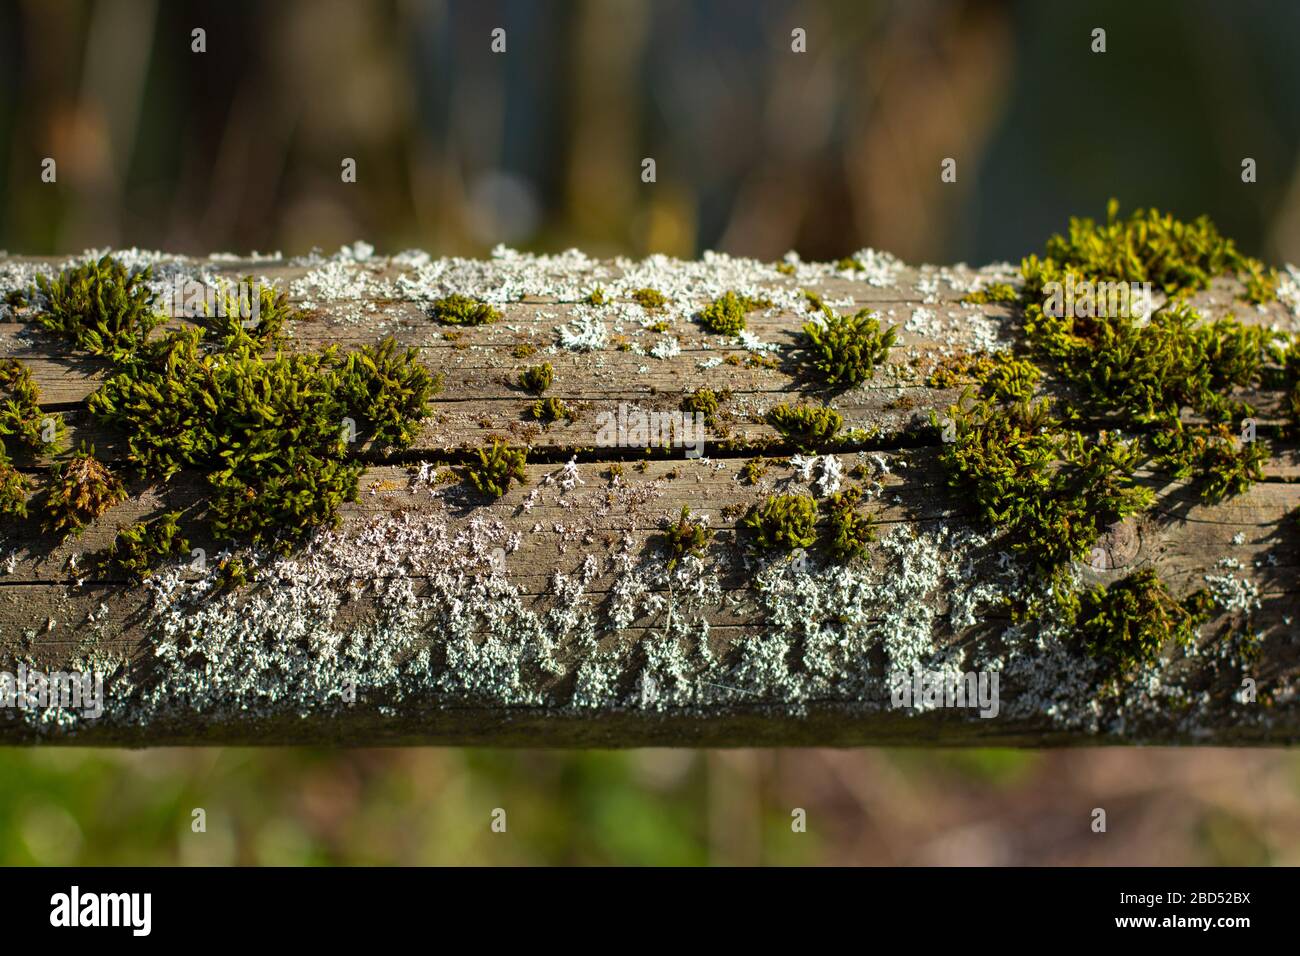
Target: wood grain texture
x,y
549,617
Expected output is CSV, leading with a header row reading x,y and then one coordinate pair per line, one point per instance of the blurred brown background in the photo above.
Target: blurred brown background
x,y
758,151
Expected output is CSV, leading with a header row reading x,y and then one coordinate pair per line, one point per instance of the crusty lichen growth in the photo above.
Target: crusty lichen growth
x,y
81,489
495,468
842,351
457,309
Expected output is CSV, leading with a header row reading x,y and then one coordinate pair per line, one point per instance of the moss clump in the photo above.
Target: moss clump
x,y
726,314
1176,257
266,431
1051,490
963,369
390,391
1163,371
137,549
1213,458
842,351
537,379
22,421
101,307
753,470
782,522
596,297
495,468
227,325
457,309
14,489
231,573
21,417
808,427
650,299
849,530
81,489
523,350
551,410
1131,622
994,292
1006,378
705,401
687,536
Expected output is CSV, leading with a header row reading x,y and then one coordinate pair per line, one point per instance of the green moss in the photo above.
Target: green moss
x,y
782,522
1174,367
389,390
808,427
687,536
266,431
995,292
962,369
1006,378
785,268
849,531
231,573
1051,490
753,470
14,489
596,297
102,307
537,379
81,489
22,421
1131,622
842,351
1176,257
21,418
726,314
705,401
137,549
226,327
1213,458
457,309
523,350
551,410
649,299
495,468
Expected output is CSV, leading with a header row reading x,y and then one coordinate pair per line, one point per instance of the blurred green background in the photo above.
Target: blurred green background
x,y
758,151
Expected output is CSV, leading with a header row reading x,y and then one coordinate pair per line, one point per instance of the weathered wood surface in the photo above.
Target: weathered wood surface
x,y
549,618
